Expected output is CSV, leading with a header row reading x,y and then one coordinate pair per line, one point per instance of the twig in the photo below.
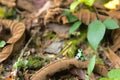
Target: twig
x,y
15,70
23,50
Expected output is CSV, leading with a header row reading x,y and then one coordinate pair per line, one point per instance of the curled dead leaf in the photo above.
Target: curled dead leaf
x,y
49,70
52,68
86,16
17,31
55,15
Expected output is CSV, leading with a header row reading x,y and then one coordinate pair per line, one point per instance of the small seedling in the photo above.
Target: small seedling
x,y
2,44
91,66
18,64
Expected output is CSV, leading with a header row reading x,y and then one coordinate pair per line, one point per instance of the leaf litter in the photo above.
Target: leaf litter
x,y
47,22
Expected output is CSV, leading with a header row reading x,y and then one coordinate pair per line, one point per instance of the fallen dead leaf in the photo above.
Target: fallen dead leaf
x,y
25,5
10,3
59,29
115,60
55,47
101,69
17,31
52,68
116,40
66,64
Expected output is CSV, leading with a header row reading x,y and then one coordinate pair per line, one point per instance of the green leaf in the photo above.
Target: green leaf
x,y
74,5
75,26
2,12
91,65
96,31
17,64
2,44
89,2
105,79
115,74
87,78
70,17
110,24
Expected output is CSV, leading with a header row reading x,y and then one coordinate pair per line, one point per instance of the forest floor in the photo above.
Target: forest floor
x,y
46,40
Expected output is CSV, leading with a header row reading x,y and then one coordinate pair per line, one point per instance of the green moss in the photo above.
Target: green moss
x,y
35,62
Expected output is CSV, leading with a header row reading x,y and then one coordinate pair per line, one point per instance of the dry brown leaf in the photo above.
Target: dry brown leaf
x,y
55,15
42,9
53,12
26,5
78,72
10,3
116,40
60,30
115,60
86,16
38,3
60,65
63,3
52,68
17,31
114,14
101,69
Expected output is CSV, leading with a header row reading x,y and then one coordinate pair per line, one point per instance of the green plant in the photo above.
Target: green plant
x,y
114,74
18,64
33,62
91,66
7,12
77,2
72,19
2,44
96,29
2,12
75,26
